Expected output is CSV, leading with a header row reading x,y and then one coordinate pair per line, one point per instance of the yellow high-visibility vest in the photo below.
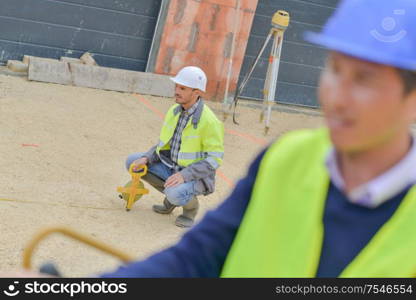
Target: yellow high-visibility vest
x,y
202,141
282,230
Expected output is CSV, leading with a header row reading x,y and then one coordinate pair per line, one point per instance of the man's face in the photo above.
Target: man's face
x,y
185,95
363,103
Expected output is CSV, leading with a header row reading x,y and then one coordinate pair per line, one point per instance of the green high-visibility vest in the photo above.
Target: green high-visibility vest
x,y
282,230
204,140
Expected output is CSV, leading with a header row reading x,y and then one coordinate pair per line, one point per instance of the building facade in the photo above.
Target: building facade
x,y
161,36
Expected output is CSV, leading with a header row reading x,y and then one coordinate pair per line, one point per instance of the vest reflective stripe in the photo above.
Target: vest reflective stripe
x,y
213,162
203,142
216,154
192,155
281,232
209,156
168,125
196,155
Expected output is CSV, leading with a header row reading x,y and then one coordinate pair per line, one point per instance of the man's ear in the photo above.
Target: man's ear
x,y
197,92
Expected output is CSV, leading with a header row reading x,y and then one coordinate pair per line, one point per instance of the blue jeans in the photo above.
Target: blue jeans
x,y
178,195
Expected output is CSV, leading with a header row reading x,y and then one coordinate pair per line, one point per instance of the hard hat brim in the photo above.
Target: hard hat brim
x,y
179,82
174,80
357,51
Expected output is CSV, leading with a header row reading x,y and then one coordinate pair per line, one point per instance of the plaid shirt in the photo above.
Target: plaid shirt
x,y
175,142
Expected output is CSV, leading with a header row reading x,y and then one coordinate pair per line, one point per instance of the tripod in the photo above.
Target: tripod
x,y
280,22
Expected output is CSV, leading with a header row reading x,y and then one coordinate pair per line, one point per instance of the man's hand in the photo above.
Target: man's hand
x,y
139,162
174,180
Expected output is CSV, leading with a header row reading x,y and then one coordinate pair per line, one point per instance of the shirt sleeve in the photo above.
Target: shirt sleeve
x,y
203,249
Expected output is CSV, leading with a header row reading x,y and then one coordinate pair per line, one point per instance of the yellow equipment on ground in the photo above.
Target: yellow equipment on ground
x,y
32,245
134,189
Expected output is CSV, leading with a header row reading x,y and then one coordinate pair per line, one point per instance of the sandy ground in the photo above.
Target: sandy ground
x,y
62,157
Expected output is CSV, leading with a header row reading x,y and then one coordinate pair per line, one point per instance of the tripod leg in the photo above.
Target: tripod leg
x,y
244,82
275,62
226,106
241,86
267,82
267,90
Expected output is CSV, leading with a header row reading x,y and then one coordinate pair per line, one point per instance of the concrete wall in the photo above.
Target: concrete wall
x,y
200,33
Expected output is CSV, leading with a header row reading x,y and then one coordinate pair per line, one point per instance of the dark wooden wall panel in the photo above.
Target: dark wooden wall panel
x,y
119,33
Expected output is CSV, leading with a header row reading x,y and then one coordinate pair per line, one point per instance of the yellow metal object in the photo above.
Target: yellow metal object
x,y
134,189
28,251
281,19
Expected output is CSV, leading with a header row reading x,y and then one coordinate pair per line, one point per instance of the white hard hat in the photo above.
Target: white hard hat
x,y
192,77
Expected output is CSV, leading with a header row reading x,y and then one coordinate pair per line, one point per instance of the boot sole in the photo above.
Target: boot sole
x,y
179,222
163,212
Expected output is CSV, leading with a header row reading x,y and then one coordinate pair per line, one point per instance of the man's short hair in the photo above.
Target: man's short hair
x,y
409,80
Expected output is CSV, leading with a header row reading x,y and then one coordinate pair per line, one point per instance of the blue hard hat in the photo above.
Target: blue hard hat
x,y
380,31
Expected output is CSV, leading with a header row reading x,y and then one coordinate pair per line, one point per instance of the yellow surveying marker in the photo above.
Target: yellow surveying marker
x,y
134,189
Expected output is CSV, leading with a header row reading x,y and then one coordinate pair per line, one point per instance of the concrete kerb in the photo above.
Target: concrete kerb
x,y
4,70
104,78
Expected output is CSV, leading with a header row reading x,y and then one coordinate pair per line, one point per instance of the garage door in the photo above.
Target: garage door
x,y
118,32
301,62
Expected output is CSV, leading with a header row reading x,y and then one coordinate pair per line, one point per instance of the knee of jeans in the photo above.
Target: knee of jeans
x,y
178,196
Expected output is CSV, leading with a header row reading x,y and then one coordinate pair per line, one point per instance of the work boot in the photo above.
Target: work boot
x,y
165,208
186,219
